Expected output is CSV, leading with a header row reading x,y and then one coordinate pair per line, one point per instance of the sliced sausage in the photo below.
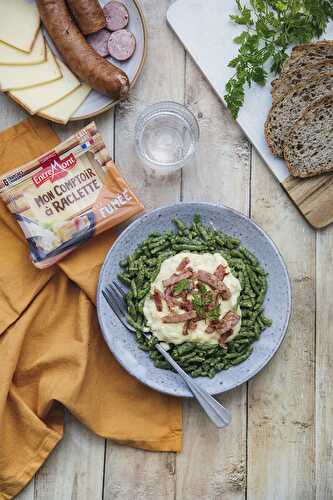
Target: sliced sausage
x,y
88,14
99,42
116,15
121,45
82,59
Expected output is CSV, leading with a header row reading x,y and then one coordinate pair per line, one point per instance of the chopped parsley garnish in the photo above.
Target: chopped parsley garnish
x,y
214,314
181,286
202,299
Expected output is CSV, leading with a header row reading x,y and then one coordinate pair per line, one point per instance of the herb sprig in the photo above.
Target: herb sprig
x,y
271,26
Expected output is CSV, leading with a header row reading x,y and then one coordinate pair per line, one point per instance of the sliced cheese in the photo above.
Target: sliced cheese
x,y
61,111
20,77
10,55
19,23
39,97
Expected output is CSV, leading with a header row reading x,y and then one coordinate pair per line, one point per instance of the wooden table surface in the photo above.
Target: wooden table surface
x,y
279,445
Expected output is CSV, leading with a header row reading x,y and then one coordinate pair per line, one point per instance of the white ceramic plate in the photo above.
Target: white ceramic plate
x,y
97,103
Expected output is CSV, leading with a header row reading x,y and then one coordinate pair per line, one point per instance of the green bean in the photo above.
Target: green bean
x,y
134,289
188,247
124,279
134,323
202,231
161,364
241,358
179,224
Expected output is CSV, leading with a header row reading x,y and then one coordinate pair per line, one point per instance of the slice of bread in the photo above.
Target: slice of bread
x,y
308,148
281,86
308,53
284,114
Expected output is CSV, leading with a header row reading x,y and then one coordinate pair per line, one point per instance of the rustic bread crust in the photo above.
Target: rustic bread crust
x,y
296,89
308,114
299,75
309,50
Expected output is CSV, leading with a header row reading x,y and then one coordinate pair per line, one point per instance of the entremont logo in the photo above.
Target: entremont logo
x,y
54,168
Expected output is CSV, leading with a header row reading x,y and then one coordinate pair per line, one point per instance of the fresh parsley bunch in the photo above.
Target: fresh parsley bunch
x,y
270,27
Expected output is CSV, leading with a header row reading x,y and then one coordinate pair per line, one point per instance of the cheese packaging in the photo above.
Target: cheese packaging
x,y
67,196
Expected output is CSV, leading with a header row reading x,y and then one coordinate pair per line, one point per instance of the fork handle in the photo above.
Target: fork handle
x,y
219,415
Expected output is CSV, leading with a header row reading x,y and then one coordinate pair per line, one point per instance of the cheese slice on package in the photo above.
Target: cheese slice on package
x,y
11,56
20,77
61,111
19,23
67,196
38,97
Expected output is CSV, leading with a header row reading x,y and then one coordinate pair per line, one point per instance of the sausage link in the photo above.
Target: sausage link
x,y
88,14
82,59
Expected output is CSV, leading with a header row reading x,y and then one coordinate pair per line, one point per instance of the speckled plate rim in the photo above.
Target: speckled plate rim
x,y
185,392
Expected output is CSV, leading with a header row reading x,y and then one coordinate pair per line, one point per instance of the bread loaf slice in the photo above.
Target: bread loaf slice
x,y
281,86
284,114
308,148
308,53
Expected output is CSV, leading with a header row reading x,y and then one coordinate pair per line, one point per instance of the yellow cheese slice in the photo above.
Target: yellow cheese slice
x,y
19,23
20,77
61,111
10,55
38,97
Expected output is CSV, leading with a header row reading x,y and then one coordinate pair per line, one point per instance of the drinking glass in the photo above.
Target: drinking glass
x,y
166,136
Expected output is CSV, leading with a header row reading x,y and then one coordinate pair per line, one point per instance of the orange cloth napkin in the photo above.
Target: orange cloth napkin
x,y
52,354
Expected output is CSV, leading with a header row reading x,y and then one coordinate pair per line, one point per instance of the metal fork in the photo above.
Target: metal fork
x,y
220,416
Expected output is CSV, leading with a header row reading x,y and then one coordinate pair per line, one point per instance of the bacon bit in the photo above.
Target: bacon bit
x,y
185,328
210,329
183,264
192,324
157,296
175,278
223,338
215,283
179,318
228,322
221,272
186,305
225,293
171,302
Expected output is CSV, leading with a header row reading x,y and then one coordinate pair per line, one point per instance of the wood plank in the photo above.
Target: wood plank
x,y
324,367
313,197
74,470
213,464
137,475
133,473
281,398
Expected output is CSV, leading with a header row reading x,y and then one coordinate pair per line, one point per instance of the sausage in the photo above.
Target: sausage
x,y
82,59
116,15
99,42
121,45
88,14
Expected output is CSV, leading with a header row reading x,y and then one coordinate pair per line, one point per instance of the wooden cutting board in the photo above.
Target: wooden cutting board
x,y
205,29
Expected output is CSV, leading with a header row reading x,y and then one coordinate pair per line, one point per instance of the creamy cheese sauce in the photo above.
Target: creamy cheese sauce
x,y
173,332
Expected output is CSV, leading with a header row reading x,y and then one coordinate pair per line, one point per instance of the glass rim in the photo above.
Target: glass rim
x,y
193,124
